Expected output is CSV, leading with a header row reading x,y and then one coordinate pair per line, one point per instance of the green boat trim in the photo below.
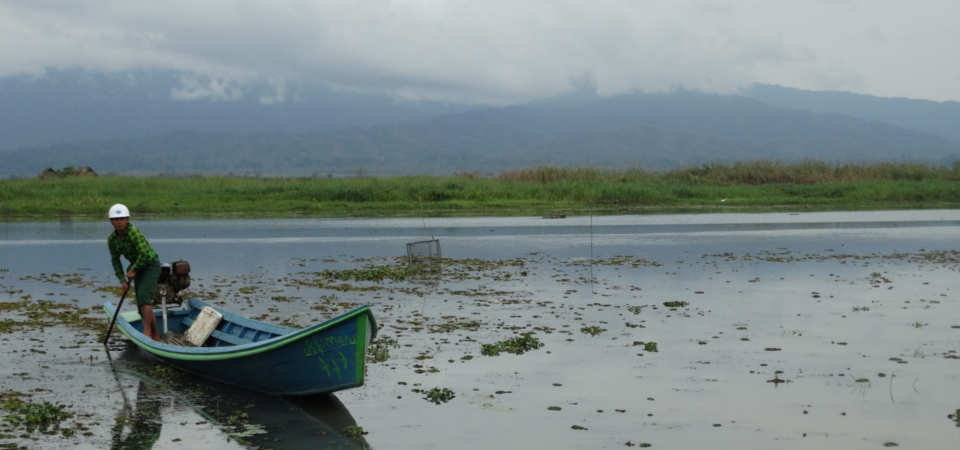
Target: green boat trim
x,y
361,349
361,314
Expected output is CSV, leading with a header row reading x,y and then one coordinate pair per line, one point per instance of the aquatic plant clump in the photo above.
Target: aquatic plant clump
x,y
379,350
379,273
592,330
453,326
777,380
518,345
46,313
438,395
490,349
7,326
354,432
679,304
859,385
238,417
33,415
955,417
647,346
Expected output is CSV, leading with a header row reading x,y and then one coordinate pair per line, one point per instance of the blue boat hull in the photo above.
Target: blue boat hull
x,y
323,358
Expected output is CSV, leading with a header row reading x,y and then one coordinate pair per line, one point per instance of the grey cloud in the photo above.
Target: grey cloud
x,y
494,51
875,34
197,87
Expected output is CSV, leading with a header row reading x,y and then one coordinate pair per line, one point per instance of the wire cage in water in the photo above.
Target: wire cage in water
x,y
424,252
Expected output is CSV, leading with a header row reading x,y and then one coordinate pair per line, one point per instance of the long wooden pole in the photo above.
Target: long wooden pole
x,y
115,313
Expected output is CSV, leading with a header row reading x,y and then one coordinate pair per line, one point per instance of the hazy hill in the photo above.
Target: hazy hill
x,y
940,118
655,130
71,106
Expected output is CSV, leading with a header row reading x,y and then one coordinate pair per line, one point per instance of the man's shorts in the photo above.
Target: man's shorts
x,y
146,282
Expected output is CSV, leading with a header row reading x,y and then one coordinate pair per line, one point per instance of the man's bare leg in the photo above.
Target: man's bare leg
x,y
150,323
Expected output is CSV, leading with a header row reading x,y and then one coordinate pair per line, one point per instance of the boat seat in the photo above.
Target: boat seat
x,y
229,338
225,337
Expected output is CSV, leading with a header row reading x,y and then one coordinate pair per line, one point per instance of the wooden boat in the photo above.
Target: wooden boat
x,y
325,357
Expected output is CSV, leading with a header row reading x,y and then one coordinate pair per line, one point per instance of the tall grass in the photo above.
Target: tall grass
x,y
743,173
757,183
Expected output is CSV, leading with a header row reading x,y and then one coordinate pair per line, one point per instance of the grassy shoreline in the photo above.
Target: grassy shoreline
x,y
742,186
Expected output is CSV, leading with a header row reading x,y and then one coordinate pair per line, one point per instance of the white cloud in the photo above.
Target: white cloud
x,y
495,51
196,87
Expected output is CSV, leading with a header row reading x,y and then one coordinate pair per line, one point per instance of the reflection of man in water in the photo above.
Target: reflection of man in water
x,y
144,425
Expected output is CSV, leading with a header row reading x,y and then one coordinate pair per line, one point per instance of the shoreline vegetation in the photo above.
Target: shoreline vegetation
x,y
756,185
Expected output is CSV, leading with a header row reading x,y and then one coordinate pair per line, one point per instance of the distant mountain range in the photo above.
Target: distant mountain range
x,y
72,106
145,132
940,118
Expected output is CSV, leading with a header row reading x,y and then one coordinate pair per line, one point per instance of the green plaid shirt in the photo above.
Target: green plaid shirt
x,y
134,247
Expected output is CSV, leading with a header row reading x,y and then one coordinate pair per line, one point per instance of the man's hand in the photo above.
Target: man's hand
x,y
125,285
131,274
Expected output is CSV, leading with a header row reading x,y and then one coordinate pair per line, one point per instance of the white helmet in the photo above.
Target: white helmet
x,y
119,211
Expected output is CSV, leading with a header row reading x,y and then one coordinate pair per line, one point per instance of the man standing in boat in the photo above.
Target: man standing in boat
x,y
144,269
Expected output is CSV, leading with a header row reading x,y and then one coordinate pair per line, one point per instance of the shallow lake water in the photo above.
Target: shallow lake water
x,y
826,330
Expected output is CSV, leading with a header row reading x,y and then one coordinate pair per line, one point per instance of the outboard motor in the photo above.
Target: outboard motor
x,y
174,277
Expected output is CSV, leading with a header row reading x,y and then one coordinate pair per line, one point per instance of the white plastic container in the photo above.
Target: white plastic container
x,y
203,327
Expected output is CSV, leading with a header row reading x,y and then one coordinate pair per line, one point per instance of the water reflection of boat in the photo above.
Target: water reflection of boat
x,y
251,418
325,357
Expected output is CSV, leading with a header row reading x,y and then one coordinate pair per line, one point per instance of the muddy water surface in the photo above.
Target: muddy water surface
x,y
833,330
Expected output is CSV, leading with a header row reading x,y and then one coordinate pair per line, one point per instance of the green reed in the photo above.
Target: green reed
x,y
747,184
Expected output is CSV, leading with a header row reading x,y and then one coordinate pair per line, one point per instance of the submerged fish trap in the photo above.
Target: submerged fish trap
x,y
424,252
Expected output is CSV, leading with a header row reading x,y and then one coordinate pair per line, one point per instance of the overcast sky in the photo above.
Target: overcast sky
x,y
496,51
